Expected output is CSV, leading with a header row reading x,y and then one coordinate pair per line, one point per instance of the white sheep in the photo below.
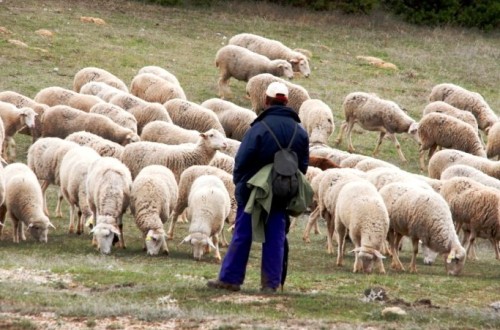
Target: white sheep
x,y
493,142
242,64
443,159
72,177
13,120
116,114
89,74
54,95
60,121
371,163
160,72
190,115
375,114
382,176
361,212
209,205
223,161
317,118
464,99
102,146
176,157
323,150
234,119
24,203
256,91
440,130
168,133
273,49
100,89
153,88
108,195
462,170
448,109
152,199
352,160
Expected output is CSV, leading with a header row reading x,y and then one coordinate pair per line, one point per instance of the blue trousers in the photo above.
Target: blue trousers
x,y
235,261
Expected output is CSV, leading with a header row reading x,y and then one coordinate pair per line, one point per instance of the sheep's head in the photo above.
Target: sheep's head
x,y
215,139
39,229
28,116
285,68
131,138
455,261
155,241
105,235
322,131
367,257
201,244
301,64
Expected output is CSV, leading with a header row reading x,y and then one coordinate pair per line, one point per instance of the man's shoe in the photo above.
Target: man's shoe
x,y
268,290
217,284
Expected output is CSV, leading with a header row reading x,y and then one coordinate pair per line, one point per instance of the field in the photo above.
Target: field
x,y
67,284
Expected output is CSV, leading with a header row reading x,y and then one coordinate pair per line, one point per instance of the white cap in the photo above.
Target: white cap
x,y
276,88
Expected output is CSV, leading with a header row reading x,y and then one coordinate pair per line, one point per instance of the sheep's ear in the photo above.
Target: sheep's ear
x,y
211,243
115,231
378,254
51,225
203,135
186,239
294,60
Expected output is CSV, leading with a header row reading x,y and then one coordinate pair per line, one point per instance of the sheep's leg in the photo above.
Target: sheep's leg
x,y
122,237
350,146
44,185
79,224
379,142
3,213
144,247
432,150
313,220
11,149
15,233
338,140
394,140
379,265
421,158
224,90
183,217
331,228
396,263
413,263
59,203
170,232
341,234
72,209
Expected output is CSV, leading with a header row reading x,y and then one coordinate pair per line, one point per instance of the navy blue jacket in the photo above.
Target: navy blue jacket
x,y
258,147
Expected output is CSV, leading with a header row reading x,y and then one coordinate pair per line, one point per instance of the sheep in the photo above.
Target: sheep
x,y
317,118
13,120
360,210
144,112
375,114
447,109
470,172
382,176
100,89
436,129
443,159
24,203
102,146
160,72
72,176
371,163
273,49
475,209
176,157
116,114
108,194
153,196
352,160
54,95
168,133
234,119
153,88
242,64
256,91
322,163
323,150
223,161
208,206
89,74
190,115
493,143
422,214
60,121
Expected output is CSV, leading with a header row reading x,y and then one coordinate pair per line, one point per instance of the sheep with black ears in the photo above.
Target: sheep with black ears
x,y
89,74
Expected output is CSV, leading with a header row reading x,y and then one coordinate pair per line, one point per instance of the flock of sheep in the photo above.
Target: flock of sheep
x,y
147,148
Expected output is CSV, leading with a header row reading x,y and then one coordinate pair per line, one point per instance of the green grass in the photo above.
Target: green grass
x,y
184,41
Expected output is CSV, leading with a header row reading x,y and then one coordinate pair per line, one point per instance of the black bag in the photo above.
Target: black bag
x,y
284,175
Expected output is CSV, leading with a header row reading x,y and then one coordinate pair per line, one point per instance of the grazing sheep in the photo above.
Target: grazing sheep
x,y
273,49
168,133
382,176
447,109
443,159
153,197
102,146
323,150
153,88
223,161
256,91
108,194
116,114
60,121
101,90
317,118
24,203
470,172
13,120
360,210
176,157
421,214
242,64
464,99
190,115
89,74
368,164
160,72
375,114
209,205
352,160
439,130
234,119
493,143
72,176
53,96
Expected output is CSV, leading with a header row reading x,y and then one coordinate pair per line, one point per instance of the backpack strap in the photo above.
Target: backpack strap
x,y
276,139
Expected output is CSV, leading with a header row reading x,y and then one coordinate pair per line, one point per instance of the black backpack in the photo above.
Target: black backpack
x,y
284,175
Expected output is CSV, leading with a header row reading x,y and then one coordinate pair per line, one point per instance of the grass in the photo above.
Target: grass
x,y
69,278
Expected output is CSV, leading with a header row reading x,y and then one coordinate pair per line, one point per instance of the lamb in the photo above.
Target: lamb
x,y
242,64
375,114
108,195
89,74
360,210
439,130
234,119
422,214
273,49
101,90
13,120
60,121
160,72
447,109
208,206
464,99
256,91
493,143
116,114
153,88
176,157
54,95
72,176
103,147
190,115
153,197
443,159
317,118
24,203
